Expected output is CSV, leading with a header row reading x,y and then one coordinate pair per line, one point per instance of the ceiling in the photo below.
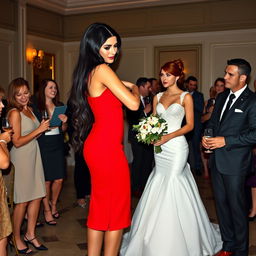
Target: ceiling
x,y
67,7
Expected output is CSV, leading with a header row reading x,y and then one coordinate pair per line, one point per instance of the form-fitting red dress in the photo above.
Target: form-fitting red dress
x,y
104,155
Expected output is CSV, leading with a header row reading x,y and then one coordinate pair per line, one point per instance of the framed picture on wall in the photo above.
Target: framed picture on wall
x,y
43,69
189,54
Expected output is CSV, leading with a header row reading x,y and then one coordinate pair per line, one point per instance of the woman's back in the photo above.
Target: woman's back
x,y
108,117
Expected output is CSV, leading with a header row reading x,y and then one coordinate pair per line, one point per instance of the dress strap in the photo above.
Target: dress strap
x,y
182,97
159,95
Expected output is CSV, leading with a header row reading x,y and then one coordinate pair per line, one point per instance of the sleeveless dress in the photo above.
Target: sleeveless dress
x,y
29,182
110,178
170,218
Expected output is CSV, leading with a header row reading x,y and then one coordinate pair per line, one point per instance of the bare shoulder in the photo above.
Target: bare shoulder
x,y
103,68
14,113
188,97
103,72
188,100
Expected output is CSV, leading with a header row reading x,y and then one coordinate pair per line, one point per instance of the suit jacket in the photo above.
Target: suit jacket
x,y
133,117
198,100
239,130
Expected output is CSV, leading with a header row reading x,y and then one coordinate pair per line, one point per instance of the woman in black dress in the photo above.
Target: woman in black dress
x,y
51,145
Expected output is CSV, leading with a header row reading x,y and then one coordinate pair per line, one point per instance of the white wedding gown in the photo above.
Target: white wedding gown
x,y
170,219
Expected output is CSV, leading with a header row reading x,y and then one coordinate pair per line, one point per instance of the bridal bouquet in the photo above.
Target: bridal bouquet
x,y
151,129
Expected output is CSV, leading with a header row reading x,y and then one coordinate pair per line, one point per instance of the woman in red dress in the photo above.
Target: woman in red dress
x,y
96,101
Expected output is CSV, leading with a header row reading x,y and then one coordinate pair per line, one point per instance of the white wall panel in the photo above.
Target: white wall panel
x,y
132,64
71,51
7,57
225,51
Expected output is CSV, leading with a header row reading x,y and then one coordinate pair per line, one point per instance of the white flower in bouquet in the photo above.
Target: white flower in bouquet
x,y
151,129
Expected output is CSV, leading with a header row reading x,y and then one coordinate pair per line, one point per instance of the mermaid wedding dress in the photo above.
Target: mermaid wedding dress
x,y
170,219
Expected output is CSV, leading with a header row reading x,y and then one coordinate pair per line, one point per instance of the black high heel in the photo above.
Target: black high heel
x,y
51,222
25,251
39,224
251,218
39,248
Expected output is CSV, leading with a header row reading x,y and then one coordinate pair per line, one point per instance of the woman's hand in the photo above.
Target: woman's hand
x,y
163,140
63,118
44,126
6,136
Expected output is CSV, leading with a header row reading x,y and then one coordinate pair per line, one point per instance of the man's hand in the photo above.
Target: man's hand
x,y
213,143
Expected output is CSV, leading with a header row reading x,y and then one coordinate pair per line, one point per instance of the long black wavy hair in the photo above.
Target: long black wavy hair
x,y
89,57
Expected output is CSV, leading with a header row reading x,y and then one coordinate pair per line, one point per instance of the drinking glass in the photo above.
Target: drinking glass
x,y
45,115
208,133
6,125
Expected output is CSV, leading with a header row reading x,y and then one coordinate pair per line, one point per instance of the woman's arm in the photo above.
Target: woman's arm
x,y
107,77
17,139
189,115
4,153
155,101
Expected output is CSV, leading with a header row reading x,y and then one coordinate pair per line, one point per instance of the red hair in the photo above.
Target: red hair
x,y
175,68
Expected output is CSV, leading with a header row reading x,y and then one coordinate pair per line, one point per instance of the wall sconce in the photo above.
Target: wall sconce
x,y
35,57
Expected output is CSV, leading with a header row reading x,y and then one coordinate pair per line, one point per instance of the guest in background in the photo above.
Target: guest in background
x,y
218,87
155,87
4,102
251,182
194,137
29,182
51,144
82,180
142,154
5,221
97,96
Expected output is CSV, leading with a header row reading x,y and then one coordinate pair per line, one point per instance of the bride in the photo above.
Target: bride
x,y
170,218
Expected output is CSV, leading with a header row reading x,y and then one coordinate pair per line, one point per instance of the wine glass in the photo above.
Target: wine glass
x,y
6,126
45,115
208,133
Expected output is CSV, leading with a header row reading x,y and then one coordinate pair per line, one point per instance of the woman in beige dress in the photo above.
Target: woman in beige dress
x,y
5,222
29,183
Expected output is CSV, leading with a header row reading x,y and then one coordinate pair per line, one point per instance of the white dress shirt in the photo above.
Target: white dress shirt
x,y
237,94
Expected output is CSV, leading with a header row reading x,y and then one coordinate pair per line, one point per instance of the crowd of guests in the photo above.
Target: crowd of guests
x,y
37,152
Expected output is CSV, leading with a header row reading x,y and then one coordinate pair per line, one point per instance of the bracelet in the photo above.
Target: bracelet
x,y
4,141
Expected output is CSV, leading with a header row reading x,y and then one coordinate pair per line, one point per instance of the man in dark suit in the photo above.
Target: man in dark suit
x,y
234,127
194,137
142,153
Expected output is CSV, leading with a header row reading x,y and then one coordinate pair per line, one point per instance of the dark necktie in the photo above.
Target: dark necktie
x,y
146,100
230,100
